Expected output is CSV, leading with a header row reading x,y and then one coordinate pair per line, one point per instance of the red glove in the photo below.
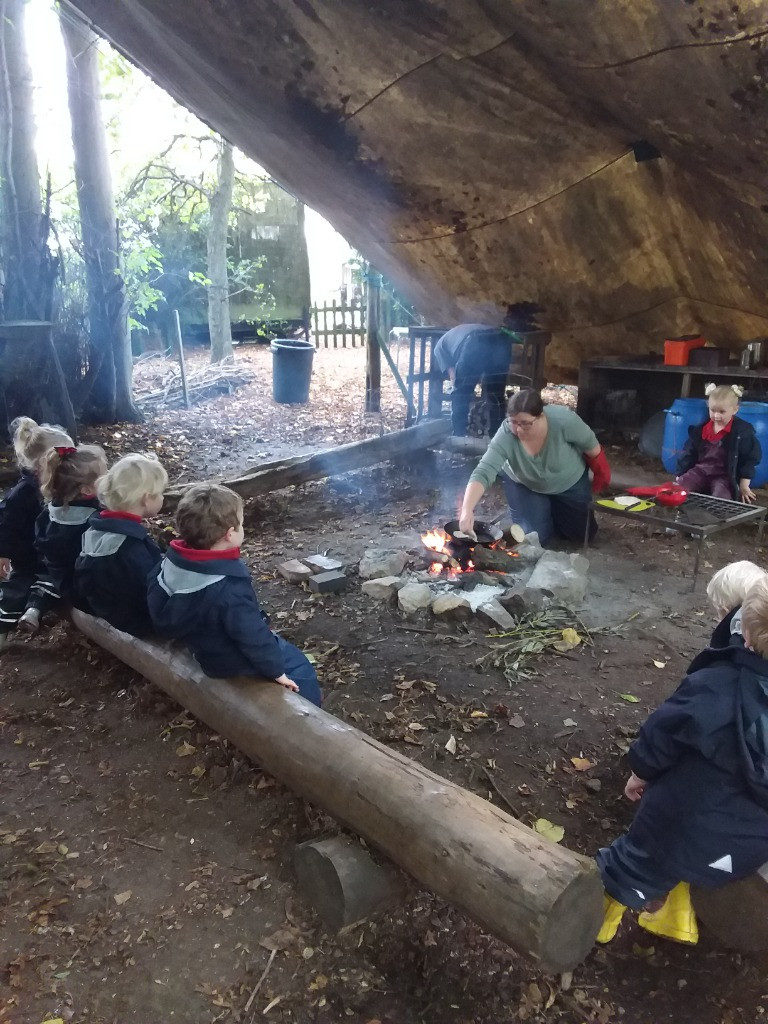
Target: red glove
x,y
601,471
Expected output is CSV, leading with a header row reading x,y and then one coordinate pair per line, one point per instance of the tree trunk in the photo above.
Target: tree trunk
x,y
109,378
372,350
219,324
23,236
544,900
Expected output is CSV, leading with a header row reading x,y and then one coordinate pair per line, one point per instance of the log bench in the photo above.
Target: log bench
x,y
543,900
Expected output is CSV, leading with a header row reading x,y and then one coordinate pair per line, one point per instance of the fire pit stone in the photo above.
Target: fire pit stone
x,y
560,575
494,613
414,597
378,562
451,605
383,588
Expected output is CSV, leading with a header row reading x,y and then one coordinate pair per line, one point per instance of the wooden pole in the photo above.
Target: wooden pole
x,y
372,350
736,913
543,900
288,472
182,361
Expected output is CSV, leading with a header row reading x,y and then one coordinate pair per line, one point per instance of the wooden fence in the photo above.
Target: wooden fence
x,y
338,326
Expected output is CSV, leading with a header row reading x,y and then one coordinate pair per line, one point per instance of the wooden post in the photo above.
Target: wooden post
x,y
372,350
335,330
736,913
545,901
182,362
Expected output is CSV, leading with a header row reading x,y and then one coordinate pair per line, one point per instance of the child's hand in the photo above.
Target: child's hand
x,y
634,788
746,493
288,683
5,568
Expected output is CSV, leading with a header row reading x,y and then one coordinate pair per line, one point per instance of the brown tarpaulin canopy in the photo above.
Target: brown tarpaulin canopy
x,y
480,152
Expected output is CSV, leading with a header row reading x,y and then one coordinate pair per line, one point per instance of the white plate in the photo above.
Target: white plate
x,y
626,500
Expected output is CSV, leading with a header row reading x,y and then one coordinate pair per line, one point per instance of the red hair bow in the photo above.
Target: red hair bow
x,y
63,451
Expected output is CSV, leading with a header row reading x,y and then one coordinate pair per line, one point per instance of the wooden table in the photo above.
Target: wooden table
x,y
714,515
656,385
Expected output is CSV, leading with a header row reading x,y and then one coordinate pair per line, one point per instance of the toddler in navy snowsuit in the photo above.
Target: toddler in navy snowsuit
x,y
118,554
203,596
68,483
18,511
700,775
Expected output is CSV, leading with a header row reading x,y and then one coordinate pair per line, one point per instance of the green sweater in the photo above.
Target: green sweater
x,y
559,464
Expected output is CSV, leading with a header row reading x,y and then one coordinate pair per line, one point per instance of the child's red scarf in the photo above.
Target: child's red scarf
x,y
708,431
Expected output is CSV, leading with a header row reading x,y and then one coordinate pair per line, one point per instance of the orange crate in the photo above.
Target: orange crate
x,y
678,350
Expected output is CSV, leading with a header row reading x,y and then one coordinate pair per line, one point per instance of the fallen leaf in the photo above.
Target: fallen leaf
x,y
570,639
84,883
416,726
46,847
630,698
450,746
517,721
569,722
320,982
198,771
659,664
582,764
184,749
228,912
478,714
549,830
283,938
123,897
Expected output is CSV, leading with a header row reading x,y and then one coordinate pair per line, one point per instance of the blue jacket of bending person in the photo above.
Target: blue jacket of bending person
x,y
112,569
205,598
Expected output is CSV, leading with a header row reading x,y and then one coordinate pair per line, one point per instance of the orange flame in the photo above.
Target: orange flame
x,y
436,568
435,540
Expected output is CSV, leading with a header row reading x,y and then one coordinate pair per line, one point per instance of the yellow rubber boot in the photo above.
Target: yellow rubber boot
x,y
613,911
676,920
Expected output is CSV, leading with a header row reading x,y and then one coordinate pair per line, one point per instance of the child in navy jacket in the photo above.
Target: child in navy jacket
x,y
727,590
118,554
68,484
203,595
700,775
18,511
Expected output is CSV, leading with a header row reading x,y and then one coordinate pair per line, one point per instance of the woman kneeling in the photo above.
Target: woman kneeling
x,y
543,454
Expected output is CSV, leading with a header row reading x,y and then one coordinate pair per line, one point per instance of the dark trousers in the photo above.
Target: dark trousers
x,y
563,515
14,599
486,359
300,669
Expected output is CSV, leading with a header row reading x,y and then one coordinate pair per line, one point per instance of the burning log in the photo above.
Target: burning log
x,y
495,559
543,900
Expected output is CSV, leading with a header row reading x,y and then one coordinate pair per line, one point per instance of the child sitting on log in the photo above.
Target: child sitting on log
x,y
18,512
720,456
68,483
700,775
726,591
118,554
203,596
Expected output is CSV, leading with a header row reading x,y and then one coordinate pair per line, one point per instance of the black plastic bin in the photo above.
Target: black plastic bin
x,y
291,370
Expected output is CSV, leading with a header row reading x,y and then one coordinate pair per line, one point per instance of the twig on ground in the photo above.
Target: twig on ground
x,y
504,799
147,846
260,982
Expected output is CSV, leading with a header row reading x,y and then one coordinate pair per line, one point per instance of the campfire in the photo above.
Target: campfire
x,y
450,556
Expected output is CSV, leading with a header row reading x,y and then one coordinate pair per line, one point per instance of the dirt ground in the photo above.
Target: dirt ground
x,y
146,867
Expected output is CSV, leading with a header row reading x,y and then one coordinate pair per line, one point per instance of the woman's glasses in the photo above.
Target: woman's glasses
x,y
519,424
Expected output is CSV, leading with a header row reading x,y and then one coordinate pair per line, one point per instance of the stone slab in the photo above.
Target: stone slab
x,y
414,598
560,576
451,606
295,571
498,616
321,563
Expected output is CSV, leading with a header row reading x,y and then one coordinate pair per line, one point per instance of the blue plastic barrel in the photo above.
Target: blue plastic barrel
x,y
291,370
756,413
684,413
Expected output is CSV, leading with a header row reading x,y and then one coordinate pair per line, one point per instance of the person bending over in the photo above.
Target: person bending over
x,y
543,453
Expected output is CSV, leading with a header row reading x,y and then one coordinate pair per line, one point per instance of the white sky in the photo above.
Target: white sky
x,y
149,119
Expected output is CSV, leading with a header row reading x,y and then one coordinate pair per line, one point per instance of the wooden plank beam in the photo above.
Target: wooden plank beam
x,y
288,472
543,900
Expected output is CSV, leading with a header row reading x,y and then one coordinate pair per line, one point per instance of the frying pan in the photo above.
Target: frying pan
x,y
670,495
487,533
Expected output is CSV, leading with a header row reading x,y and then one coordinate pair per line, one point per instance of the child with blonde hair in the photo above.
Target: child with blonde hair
x,y
68,483
18,511
720,456
700,778
204,597
726,591
118,554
